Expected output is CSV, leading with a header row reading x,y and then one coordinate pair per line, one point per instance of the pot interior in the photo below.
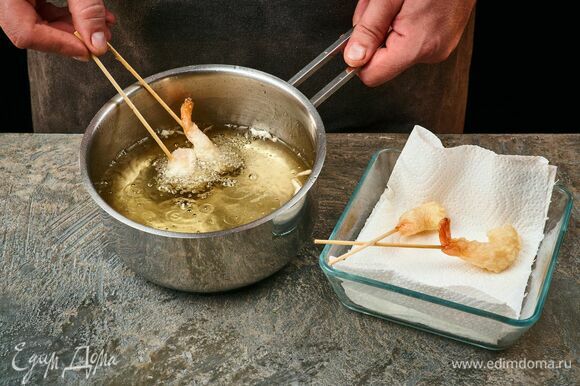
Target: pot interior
x,y
222,94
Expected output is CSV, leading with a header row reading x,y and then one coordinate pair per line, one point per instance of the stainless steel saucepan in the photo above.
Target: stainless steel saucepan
x,y
215,261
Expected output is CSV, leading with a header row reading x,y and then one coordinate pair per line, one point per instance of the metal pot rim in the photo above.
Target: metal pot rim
x,y
219,68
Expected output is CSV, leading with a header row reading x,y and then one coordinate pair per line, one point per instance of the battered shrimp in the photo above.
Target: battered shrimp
x,y
185,161
420,219
196,170
496,255
182,164
205,149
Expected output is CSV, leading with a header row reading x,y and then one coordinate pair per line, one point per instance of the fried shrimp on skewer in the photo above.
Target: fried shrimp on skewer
x,y
197,169
184,160
496,255
205,149
420,219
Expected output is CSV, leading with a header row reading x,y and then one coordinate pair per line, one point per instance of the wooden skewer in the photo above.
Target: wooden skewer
x,y
144,84
364,246
379,244
129,103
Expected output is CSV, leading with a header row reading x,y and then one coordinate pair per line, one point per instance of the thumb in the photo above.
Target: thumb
x,y
89,18
370,31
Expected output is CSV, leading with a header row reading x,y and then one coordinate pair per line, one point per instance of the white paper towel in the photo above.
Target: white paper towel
x,y
480,190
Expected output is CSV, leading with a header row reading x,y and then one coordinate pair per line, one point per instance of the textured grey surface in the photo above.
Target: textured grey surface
x,y
60,288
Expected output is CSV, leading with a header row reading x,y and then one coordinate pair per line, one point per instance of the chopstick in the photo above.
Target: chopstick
x,y
129,103
144,84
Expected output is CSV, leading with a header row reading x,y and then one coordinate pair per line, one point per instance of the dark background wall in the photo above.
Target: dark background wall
x,y
523,76
521,79
14,94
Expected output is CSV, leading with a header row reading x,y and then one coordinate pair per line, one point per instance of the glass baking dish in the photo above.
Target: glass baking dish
x,y
429,313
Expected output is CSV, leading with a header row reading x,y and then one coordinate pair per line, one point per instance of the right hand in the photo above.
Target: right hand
x,y
413,31
38,25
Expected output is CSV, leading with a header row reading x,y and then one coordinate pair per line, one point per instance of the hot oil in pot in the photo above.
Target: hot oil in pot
x,y
263,185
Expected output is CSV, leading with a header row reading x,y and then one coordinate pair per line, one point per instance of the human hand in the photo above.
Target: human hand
x,y
38,25
414,31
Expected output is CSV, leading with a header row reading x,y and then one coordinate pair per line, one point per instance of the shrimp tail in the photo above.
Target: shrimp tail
x,y
445,232
496,255
186,110
190,129
450,246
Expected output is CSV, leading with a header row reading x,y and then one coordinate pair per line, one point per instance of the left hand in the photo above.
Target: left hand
x,y
40,25
413,31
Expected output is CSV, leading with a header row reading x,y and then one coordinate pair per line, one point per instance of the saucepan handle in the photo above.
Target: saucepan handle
x,y
320,61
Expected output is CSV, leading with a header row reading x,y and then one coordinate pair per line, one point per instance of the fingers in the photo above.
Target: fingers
x,y
20,22
361,6
50,12
421,32
110,17
60,17
50,39
49,28
398,55
90,19
371,29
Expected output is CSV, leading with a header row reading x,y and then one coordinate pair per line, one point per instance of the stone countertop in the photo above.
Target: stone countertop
x,y
60,290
